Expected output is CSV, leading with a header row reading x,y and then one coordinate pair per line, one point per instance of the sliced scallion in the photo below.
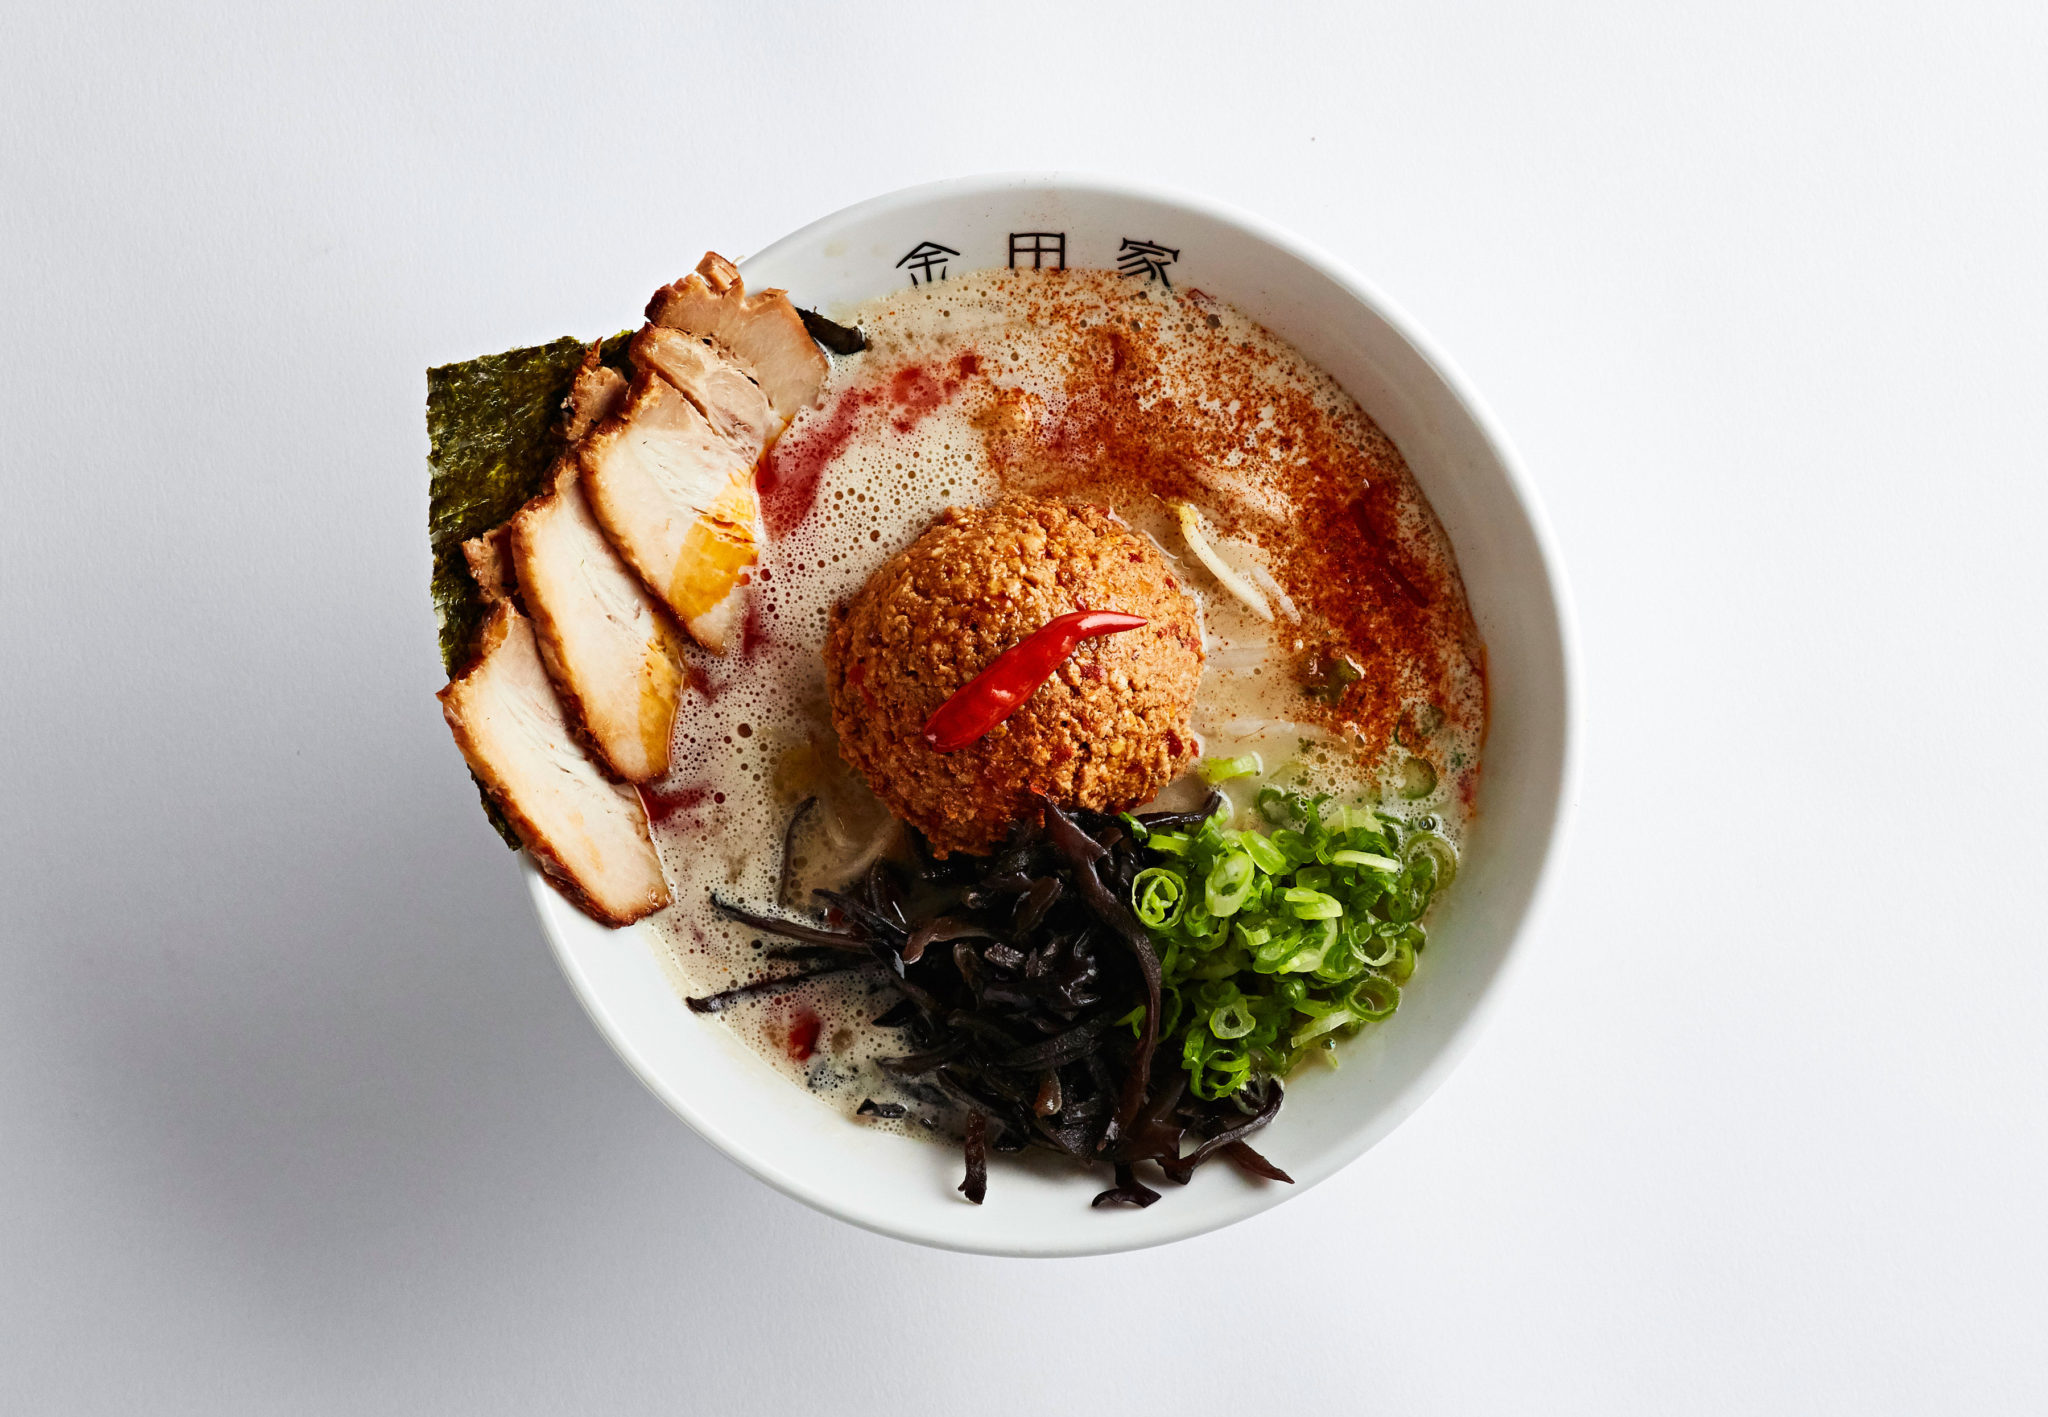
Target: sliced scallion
x,y
1218,770
1172,843
1312,904
1159,894
1418,778
1231,1020
1274,942
1229,883
1365,859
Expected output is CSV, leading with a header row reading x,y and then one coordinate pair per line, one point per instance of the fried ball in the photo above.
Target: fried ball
x,y
1107,731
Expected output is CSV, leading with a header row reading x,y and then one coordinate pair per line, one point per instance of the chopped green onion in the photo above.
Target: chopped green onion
x,y
1275,942
1438,849
1266,856
1229,884
1215,1070
1365,859
1329,674
1418,778
1172,843
1334,1019
1374,998
1232,1020
1137,829
1384,957
1309,958
1312,904
1276,805
1418,724
1217,770
1159,895
1403,963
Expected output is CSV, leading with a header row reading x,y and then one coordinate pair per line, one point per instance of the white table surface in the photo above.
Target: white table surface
x,y
296,1114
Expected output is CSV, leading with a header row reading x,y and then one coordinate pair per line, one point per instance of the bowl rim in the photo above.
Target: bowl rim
x,y
1459,1041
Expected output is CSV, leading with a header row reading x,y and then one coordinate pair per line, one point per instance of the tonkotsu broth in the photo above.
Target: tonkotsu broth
x,y
1086,385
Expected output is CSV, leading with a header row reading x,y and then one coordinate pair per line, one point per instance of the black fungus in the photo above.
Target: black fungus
x,y
897,1014
1180,1169
1082,852
1182,821
840,339
1048,1100
1034,1017
754,988
788,929
1129,1190
975,1186
1251,1161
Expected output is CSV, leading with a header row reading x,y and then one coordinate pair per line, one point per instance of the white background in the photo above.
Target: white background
x,y
295,1112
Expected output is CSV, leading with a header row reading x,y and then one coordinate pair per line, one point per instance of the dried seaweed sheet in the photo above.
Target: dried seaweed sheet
x,y
494,427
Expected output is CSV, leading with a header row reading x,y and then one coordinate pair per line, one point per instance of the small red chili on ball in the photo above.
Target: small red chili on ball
x,y
1015,674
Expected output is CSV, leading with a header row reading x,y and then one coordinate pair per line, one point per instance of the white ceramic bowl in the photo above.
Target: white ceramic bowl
x,y
905,1188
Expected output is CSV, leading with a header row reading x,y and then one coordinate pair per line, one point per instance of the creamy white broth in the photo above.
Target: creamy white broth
x,y
928,417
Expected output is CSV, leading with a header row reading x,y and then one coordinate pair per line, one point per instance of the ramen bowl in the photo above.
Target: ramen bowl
x,y
1040,1206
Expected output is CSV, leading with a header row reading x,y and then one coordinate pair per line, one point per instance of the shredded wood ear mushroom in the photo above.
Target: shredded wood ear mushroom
x,y
1029,1002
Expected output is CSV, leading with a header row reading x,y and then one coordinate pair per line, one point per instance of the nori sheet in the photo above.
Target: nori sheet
x,y
494,427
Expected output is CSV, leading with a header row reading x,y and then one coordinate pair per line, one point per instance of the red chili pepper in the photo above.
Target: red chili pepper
x,y
996,692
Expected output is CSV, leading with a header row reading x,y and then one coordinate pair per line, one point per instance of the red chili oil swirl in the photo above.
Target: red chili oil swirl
x,y
788,477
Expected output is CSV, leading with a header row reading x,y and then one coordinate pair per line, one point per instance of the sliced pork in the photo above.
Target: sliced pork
x,y
724,392
608,647
594,396
675,495
588,832
763,330
490,562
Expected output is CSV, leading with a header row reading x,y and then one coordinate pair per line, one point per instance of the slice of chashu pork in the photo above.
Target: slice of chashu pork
x,y
609,648
614,656
670,476
586,831
762,332
676,497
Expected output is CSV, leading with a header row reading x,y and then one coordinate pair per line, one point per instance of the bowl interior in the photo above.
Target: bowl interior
x,y
904,1188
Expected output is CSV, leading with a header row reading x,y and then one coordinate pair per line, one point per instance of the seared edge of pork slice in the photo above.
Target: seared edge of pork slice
x,y
762,329
677,500
594,396
490,562
609,647
587,832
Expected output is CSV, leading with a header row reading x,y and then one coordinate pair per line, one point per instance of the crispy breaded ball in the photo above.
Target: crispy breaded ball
x,y
1107,731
